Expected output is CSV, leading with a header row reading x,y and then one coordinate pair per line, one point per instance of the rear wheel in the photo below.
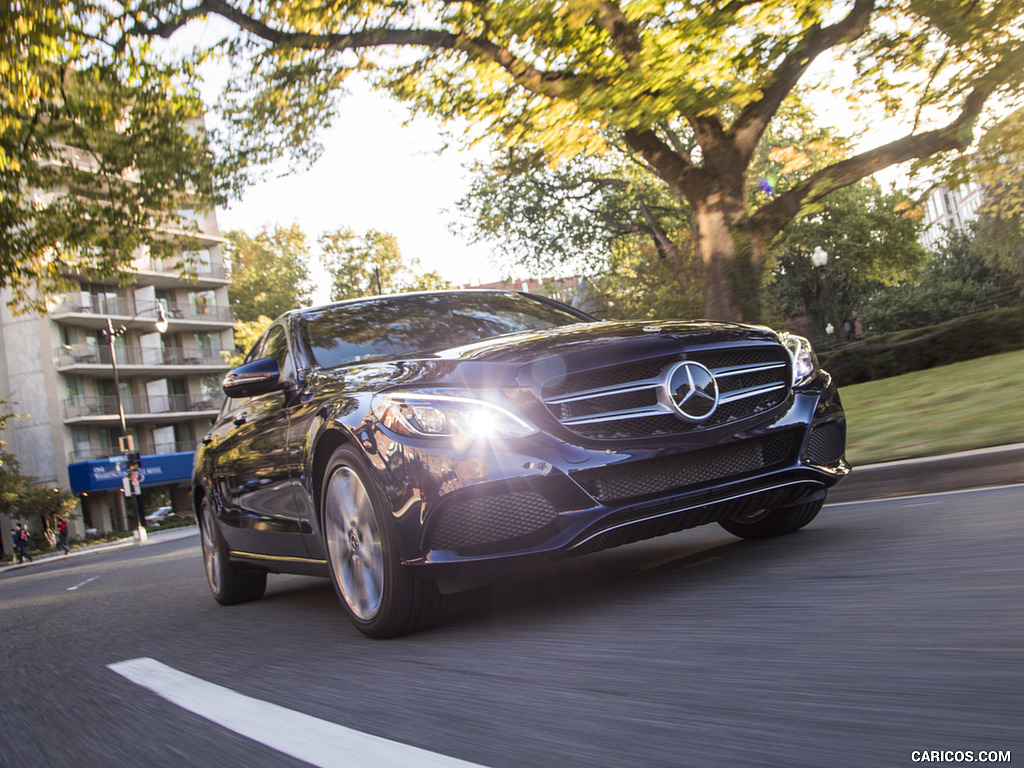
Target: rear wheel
x,y
766,523
379,594
229,583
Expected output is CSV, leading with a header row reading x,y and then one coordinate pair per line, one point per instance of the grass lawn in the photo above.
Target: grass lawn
x,y
975,404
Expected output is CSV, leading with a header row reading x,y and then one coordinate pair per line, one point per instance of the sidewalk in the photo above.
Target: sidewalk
x,y
153,537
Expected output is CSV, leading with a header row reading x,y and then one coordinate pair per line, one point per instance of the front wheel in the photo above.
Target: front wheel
x,y
229,583
766,523
379,594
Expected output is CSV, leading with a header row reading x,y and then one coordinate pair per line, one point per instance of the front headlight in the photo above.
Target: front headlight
x,y
422,414
805,362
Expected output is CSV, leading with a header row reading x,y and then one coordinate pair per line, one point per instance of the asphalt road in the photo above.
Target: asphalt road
x,y
883,630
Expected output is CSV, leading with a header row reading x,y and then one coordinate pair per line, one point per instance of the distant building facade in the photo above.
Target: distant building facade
x,y
950,208
57,368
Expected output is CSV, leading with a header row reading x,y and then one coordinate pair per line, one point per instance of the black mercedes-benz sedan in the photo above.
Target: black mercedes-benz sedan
x,y
410,446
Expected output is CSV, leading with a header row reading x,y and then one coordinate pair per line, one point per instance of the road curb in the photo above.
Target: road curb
x,y
154,537
981,468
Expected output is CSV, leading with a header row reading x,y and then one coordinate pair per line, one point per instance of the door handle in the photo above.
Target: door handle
x,y
208,440
240,419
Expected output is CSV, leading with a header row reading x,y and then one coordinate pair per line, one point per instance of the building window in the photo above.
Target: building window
x,y
200,260
203,302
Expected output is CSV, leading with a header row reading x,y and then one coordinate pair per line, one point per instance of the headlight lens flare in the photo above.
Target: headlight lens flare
x,y
434,415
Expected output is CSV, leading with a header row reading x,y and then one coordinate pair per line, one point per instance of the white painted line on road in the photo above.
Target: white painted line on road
x,y
318,742
72,589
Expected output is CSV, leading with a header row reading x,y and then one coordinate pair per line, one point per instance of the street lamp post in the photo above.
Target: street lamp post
x,y
131,456
819,259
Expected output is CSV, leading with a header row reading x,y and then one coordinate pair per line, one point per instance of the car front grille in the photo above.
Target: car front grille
x,y
622,402
636,479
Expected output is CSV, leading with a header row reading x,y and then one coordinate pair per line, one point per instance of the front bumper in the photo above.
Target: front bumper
x,y
549,498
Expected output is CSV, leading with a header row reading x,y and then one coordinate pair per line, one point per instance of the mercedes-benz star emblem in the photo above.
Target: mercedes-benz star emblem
x,y
692,391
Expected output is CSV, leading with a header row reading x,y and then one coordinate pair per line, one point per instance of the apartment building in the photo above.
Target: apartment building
x,y
950,208
58,369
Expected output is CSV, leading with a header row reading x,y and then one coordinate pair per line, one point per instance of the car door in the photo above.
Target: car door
x,y
253,466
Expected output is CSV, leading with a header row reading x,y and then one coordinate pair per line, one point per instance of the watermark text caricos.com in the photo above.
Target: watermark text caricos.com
x,y
960,756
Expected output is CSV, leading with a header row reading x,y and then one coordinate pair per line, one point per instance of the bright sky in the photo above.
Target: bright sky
x,y
375,173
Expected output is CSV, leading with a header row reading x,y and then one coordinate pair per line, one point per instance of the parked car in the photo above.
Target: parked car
x,y
161,515
412,445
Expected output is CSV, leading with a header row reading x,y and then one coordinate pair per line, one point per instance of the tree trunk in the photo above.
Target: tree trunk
x,y
732,261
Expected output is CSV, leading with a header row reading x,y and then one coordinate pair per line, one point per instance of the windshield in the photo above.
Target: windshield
x,y
415,324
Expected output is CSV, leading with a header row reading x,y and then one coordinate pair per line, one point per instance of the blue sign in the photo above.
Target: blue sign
x,y
107,475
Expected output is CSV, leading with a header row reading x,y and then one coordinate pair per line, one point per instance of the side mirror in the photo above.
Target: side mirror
x,y
255,378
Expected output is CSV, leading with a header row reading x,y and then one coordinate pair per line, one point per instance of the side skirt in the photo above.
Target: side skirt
x,y
302,566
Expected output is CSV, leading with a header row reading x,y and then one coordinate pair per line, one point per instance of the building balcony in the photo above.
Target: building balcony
x,y
141,408
92,311
165,275
94,358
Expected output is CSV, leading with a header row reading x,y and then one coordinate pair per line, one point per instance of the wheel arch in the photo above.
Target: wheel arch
x,y
328,442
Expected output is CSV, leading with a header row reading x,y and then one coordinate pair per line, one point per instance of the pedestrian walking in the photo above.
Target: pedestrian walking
x,y
19,536
62,536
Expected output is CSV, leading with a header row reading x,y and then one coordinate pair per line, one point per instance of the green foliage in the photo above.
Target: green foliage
x,y
370,265
608,216
269,272
955,281
11,480
99,148
640,284
999,243
578,77
893,354
870,238
246,334
572,217
48,505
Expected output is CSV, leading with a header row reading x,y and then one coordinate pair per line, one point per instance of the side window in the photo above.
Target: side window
x,y
275,345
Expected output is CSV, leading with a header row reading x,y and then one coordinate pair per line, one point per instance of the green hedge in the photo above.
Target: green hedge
x,y
893,354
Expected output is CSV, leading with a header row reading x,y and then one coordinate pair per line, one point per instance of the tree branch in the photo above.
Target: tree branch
x,y
774,216
666,248
958,134
538,81
672,166
755,117
613,21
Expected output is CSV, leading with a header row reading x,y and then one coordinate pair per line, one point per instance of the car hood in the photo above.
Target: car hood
x,y
593,338
530,357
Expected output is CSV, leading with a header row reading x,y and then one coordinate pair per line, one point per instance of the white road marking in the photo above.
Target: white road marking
x,y
72,589
318,742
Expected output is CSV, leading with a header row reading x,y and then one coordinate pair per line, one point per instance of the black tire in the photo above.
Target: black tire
x,y
380,596
767,523
229,583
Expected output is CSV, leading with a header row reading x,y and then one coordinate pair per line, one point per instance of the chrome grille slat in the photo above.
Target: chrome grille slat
x,y
742,394
622,402
607,392
639,413
736,370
